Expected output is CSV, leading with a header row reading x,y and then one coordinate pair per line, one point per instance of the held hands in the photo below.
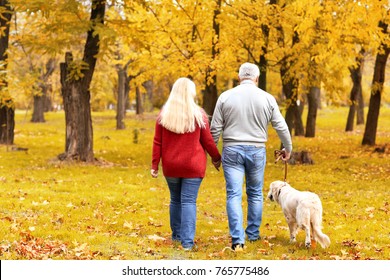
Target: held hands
x,y
154,173
216,164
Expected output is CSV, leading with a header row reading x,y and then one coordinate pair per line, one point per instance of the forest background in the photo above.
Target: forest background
x,y
109,65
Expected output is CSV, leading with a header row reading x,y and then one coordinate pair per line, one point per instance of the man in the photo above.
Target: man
x,y
242,114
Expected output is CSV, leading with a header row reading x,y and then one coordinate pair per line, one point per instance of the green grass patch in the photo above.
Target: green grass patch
x,y
115,210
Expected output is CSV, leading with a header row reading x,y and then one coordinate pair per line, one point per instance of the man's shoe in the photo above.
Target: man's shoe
x,y
254,240
238,247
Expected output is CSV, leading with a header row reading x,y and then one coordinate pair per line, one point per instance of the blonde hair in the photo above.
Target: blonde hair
x,y
180,113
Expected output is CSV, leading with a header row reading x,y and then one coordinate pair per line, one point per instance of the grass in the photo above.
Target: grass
x,y
115,210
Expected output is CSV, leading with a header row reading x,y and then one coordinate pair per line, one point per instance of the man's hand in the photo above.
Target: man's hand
x,y
154,173
216,164
285,155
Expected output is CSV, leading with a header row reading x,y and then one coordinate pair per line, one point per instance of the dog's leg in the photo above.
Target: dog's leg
x,y
303,219
307,239
293,226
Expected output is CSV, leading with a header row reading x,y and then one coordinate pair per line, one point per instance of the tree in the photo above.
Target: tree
x,y
356,95
290,85
76,92
123,94
369,137
7,111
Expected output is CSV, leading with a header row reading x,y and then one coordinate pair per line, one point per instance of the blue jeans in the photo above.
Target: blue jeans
x,y
239,161
182,208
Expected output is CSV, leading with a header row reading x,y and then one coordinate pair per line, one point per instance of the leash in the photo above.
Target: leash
x,y
278,155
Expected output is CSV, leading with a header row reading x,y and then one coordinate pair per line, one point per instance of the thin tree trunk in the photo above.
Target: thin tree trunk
x,y
356,96
76,94
7,125
48,102
139,105
292,113
40,100
7,111
263,60
313,99
127,93
211,92
298,123
149,86
360,108
351,116
39,108
120,109
369,137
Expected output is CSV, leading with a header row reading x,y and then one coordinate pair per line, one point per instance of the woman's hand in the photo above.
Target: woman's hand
x,y
216,164
154,173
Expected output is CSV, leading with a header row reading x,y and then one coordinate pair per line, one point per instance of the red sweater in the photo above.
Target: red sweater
x,y
183,155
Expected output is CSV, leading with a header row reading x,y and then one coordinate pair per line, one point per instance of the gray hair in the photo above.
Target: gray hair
x,y
248,71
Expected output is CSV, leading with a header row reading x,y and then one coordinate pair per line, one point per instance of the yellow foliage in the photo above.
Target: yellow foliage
x,y
163,40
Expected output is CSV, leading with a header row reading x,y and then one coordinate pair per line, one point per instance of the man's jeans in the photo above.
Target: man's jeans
x,y
238,161
182,208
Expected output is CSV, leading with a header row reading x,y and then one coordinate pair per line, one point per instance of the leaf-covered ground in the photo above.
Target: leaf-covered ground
x,y
115,210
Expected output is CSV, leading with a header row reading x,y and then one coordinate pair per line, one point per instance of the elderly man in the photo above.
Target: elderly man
x,y
242,115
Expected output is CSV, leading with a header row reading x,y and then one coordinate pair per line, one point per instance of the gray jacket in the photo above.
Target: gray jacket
x,y
243,113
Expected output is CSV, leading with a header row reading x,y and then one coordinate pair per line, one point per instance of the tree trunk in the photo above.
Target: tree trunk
x,y
290,86
127,93
210,96
139,106
120,108
292,113
264,50
293,116
369,137
38,109
298,123
211,92
76,94
48,102
149,86
40,101
76,100
7,111
360,108
356,96
263,60
313,98
7,125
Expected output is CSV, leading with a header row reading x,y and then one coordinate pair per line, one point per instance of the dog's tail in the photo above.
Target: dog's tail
x,y
318,235
321,237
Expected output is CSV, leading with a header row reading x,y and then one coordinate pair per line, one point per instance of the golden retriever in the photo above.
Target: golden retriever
x,y
301,210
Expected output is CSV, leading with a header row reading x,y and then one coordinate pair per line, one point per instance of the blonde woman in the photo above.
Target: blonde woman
x,y
182,135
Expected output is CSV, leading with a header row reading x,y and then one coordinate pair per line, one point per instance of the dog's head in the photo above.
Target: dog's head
x,y
275,189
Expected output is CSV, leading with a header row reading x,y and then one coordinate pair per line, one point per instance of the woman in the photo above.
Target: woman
x,y
182,135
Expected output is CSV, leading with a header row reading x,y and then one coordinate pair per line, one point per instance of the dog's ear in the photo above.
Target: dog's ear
x,y
276,193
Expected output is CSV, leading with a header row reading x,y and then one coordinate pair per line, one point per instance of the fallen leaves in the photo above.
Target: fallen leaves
x,y
36,248
30,247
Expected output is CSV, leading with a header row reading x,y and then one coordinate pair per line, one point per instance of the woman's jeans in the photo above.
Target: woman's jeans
x,y
182,208
239,161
